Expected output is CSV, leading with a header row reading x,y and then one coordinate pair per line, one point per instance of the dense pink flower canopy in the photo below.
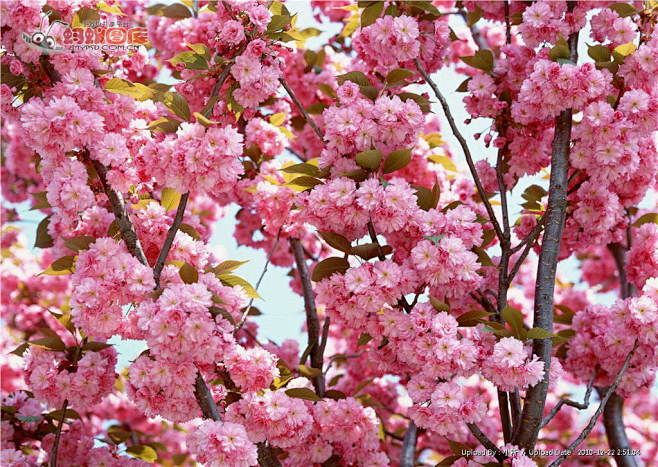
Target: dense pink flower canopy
x,y
438,330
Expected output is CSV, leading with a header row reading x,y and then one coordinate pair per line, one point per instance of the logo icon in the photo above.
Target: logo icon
x,y
43,41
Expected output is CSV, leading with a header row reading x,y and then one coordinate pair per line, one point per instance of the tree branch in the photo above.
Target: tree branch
x,y
570,403
464,146
547,266
58,435
266,457
312,322
408,454
486,442
169,241
301,108
205,400
126,227
590,426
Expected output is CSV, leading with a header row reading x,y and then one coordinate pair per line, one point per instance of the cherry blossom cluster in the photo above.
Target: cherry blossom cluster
x,y
358,124
222,443
606,335
389,42
53,378
510,366
552,88
258,72
195,156
106,278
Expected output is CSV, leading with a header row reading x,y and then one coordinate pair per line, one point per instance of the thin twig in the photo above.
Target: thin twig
x,y
169,241
243,319
486,442
58,435
312,322
570,403
301,108
590,426
408,454
464,146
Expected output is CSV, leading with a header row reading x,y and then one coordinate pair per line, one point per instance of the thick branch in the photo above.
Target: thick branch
x,y
408,455
546,269
169,241
486,442
205,400
613,421
312,322
301,108
266,457
590,426
613,414
464,146
126,227
58,435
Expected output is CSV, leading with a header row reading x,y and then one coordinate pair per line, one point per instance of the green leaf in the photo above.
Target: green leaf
x,y
145,453
560,51
398,76
357,77
20,350
482,60
227,266
40,200
328,267
308,371
135,90
565,317
335,394
364,338
192,60
472,318
422,102
456,447
278,22
304,183
68,414
189,230
483,257
232,280
369,159
303,393
188,273
533,194
427,199
370,250
600,53
164,125
30,418
96,346
302,168
648,218
169,198
177,104
79,243
61,266
623,9
118,434
201,119
463,87
50,343
43,238
438,304
200,49
538,333
514,318
397,160
371,13
474,16
336,241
